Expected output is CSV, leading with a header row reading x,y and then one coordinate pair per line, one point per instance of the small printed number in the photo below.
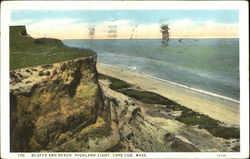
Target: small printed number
x,y
21,155
221,155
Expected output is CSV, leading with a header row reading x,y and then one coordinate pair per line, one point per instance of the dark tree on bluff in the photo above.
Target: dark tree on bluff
x,y
165,34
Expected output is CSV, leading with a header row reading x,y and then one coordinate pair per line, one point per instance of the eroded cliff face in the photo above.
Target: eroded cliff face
x,y
61,107
53,107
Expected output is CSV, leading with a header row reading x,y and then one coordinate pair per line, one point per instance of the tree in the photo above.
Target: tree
x,y
165,34
92,32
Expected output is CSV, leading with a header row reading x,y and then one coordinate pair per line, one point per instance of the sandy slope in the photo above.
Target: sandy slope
x,y
147,130
217,108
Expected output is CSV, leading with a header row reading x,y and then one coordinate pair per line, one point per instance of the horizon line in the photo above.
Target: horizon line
x,y
150,38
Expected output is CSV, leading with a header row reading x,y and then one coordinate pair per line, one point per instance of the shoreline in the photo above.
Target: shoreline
x,y
177,84
216,106
193,89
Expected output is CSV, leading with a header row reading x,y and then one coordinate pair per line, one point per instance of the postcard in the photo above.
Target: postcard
x,y
124,79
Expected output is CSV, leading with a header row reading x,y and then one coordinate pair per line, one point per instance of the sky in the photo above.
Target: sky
x,y
75,24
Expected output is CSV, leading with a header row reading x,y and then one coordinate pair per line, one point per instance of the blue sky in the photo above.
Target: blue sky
x,y
128,18
138,16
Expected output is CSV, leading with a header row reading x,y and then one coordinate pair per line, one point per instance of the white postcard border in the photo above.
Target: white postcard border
x,y
244,71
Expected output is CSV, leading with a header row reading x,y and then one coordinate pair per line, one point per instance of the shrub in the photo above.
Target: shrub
x,y
40,41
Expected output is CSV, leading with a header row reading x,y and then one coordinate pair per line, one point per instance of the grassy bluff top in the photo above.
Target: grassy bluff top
x,y
26,51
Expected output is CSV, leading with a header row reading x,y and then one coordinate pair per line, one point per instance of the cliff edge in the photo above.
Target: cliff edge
x,y
56,103
51,105
59,104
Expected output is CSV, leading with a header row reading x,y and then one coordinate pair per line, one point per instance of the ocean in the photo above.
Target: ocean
x,y
210,65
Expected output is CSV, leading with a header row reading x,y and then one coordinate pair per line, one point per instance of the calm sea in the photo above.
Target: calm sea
x,y
207,64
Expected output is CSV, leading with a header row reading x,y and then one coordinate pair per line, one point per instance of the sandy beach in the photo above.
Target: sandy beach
x,y
218,108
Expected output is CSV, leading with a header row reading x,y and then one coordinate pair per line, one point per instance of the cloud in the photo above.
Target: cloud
x,y
71,28
51,23
57,28
120,28
66,28
209,23
183,22
202,29
21,22
122,22
150,30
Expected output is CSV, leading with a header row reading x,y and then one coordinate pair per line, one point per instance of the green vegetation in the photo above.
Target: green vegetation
x,y
147,97
194,118
225,132
26,51
188,116
116,84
